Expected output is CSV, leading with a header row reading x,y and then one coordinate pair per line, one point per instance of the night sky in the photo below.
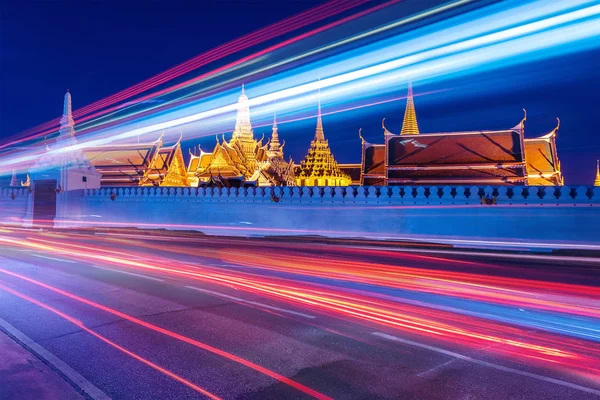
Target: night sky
x,y
96,48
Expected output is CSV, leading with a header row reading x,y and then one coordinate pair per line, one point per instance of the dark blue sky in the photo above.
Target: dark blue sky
x,y
97,48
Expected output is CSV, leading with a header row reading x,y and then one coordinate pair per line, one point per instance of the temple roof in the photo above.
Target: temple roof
x,y
128,164
353,171
543,167
373,159
457,148
597,180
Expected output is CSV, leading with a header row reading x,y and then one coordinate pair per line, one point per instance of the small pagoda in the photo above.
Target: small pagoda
x,y
319,167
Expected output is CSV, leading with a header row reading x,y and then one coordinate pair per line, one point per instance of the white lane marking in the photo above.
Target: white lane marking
x,y
488,364
55,259
238,299
76,379
130,273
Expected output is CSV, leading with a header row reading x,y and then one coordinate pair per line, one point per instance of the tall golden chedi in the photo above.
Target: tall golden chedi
x,y
597,180
319,167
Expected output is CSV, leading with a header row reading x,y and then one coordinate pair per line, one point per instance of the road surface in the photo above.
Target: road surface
x,y
180,316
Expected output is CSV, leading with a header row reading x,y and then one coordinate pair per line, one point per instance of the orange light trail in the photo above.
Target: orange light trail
x,y
365,307
177,336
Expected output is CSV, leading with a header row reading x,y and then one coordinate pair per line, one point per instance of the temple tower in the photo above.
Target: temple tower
x,y
319,167
243,132
275,148
62,168
409,125
597,180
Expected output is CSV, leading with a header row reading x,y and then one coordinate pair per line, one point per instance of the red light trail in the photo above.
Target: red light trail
x,y
281,28
535,347
111,343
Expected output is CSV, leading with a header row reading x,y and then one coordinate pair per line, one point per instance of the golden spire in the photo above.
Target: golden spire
x,y
597,181
319,167
319,135
274,145
409,125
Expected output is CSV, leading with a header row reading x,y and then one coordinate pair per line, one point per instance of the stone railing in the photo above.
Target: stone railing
x,y
447,195
14,192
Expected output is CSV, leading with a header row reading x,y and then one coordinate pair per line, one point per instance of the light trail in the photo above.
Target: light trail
x,y
131,354
177,336
301,20
528,32
431,322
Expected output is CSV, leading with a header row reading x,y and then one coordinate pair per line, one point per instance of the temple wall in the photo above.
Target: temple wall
x,y
517,216
13,205
544,214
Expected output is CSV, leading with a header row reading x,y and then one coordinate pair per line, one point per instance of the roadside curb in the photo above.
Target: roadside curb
x,y
68,374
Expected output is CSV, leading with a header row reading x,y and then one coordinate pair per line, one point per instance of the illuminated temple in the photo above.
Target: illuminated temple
x,y
501,157
319,167
242,160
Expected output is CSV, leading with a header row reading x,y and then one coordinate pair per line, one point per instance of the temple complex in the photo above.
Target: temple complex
x,y
502,157
242,160
319,167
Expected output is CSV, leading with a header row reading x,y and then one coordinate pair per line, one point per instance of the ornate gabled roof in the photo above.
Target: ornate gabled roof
x,y
458,157
409,125
176,172
543,165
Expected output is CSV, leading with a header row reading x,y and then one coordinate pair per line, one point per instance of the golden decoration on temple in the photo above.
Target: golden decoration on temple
x,y
243,158
275,171
176,173
597,181
27,182
319,167
409,125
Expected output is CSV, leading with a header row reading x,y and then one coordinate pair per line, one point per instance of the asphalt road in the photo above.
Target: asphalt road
x,y
143,316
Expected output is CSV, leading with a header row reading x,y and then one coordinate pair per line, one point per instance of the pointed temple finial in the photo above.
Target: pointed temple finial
x,y
14,181
409,125
557,126
319,134
243,89
597,181
275,148
27,182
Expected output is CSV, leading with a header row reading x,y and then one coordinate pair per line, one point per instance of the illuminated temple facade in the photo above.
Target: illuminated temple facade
x,y
243,159
501,157
319,167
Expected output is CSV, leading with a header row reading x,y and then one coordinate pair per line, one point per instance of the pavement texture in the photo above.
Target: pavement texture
x,y
24,376
164,317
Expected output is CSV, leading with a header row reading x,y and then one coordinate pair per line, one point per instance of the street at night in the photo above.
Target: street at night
x,y
168,315
331,199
